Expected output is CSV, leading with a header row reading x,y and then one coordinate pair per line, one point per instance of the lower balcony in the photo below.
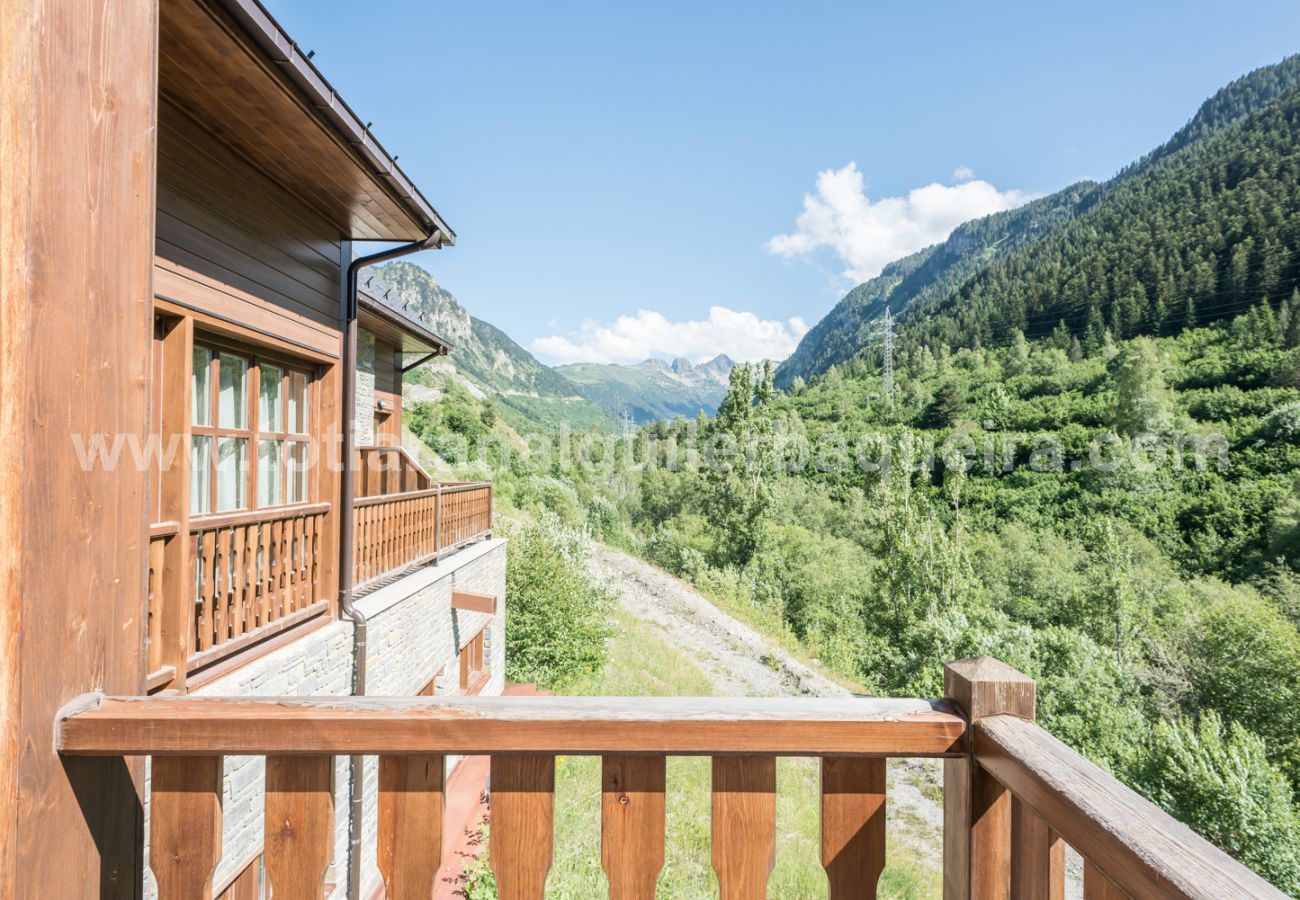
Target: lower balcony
x,y
1014,796
235,581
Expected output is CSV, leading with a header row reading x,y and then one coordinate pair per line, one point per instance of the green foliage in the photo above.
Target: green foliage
x,y
1143,402
741,444
1217,778
557,616
1248,655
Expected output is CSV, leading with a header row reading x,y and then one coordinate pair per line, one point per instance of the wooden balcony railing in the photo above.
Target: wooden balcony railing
x,y
395,531
389,470
1012,794
244,577
255,573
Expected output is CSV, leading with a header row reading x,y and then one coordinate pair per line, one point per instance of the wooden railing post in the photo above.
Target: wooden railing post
x,y
523,823
976,808
632,824
410,824
185,829
853,825
744,824
299,825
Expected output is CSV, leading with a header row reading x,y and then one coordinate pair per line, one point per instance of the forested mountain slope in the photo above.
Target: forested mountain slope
x,y
925,277
1197,235
1191,232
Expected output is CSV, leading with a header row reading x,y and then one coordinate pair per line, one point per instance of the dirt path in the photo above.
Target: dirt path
x,y
742,663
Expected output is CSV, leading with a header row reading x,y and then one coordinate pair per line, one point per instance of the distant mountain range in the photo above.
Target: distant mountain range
x,y
1202,227
653,389
530,394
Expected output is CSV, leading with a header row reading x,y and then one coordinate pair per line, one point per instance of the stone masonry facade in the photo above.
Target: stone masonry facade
x,y
363,410
413,634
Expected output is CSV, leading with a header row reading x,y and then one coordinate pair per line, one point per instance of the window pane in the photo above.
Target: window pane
x,y
298,402
298,458
270,402
232,471
200,475
232,409
202,383
270,479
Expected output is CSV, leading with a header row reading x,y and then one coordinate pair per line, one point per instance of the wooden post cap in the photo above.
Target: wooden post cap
x,y
984,686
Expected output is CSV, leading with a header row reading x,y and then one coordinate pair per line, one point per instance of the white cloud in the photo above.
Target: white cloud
x,y
867,235
629,339
963,173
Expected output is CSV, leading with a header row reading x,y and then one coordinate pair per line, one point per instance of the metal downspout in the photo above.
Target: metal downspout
x,y
348,308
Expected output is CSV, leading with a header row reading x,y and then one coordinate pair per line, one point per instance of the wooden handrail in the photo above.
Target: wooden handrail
x,y
478,725
377,499
253,516
1014,795
408,474
1146,852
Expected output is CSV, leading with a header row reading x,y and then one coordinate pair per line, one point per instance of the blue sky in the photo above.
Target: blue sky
x,y
614,171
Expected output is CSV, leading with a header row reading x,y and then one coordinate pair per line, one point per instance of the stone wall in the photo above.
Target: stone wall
x,y
363,410
412,634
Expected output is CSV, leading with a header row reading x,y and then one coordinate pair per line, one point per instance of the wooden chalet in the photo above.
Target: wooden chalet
x,y
245,665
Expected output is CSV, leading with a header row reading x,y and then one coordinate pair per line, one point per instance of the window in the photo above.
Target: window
x,y
251,438
473,672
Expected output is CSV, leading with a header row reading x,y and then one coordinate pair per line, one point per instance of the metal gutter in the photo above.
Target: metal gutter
x,y
347,525
276,44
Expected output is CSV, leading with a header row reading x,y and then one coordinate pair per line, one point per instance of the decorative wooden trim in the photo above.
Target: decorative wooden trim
x,y
471,601
222,325
164,529
482,725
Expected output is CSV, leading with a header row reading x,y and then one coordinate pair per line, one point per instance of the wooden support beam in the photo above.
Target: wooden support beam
x,y
976,808
523,824
744,825
78,113
470,601
185,825
853,825
410,824
632,824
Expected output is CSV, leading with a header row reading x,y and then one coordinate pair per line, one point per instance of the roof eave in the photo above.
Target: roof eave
x,y
281,49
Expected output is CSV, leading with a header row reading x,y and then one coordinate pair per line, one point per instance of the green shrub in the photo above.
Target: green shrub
x,y
1218,780
556,613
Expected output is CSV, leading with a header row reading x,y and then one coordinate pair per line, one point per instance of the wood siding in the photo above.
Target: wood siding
x,y
77,115
233,243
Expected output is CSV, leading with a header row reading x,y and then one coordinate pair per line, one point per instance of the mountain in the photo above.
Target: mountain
x,y
1193,231
926,276
653,389
528,393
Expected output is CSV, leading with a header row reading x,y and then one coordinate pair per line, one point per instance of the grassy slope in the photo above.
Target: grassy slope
x,y
687,871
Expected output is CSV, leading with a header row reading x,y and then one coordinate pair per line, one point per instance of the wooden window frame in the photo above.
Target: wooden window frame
x,y
473,664
255,357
